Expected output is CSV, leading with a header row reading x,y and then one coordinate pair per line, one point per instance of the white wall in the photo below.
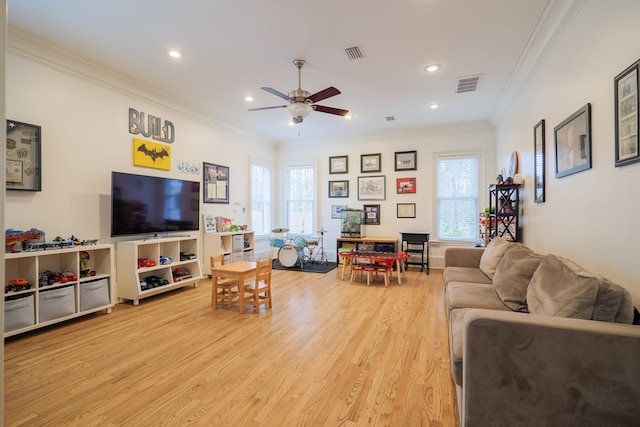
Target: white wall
x,y
427,142
85,136
590,217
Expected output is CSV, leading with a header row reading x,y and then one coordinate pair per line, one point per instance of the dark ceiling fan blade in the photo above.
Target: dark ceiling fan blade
x,y
331,110
267,108
276,93
323,94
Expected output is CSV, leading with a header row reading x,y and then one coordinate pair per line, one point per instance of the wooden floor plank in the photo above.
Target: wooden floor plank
x,y
329,353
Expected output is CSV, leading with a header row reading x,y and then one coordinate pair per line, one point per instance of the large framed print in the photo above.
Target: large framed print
x,y
626,116
539,164
371,187
370,163
573,143
215,186
23,169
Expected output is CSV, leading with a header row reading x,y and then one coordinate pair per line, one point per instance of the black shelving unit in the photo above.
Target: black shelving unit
x,y
416,245
504,208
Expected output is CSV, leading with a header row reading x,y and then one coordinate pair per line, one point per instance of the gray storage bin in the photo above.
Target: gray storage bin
x,y
19,313
57,303
94,294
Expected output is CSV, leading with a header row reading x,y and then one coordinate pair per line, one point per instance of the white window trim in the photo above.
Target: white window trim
x,y
255,161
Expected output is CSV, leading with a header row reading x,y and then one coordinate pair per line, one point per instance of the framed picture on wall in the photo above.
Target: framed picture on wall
x,y
370,163
406,160
23,169
372,214
573,143
371,187
405,185
539,162
338,188
215,188
406,210
339,164
336,211
627,116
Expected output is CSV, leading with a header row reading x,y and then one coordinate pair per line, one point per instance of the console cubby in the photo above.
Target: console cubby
x,y
141,273
35,307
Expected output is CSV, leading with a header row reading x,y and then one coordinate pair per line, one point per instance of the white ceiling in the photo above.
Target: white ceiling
x,y
232,48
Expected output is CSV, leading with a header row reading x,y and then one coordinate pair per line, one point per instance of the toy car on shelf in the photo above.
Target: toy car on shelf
x,y
16,285
145,262
68,276
164,260
152,282
48,278
181,273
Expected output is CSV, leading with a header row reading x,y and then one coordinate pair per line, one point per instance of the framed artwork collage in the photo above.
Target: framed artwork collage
x,y
371,186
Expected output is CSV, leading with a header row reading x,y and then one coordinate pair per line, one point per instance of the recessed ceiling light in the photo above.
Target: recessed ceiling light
x,y
174,54
432,68
248,98
434,106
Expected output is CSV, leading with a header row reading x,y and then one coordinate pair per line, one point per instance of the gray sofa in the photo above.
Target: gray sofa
x,y
537,340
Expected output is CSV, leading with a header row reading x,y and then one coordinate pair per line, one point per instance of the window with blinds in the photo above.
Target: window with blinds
x,y
457,204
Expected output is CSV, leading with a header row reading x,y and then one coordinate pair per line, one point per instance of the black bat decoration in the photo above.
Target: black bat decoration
x,y
153,153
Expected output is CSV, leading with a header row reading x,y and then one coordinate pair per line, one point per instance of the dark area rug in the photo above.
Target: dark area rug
x,y
308,268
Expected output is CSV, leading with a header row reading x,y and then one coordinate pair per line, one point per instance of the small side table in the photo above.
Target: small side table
x,y
413,244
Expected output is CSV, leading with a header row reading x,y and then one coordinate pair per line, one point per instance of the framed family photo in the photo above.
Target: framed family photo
x,y
626,116
539,164
573,143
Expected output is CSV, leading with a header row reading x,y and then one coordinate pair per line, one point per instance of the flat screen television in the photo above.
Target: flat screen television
x,y
143,204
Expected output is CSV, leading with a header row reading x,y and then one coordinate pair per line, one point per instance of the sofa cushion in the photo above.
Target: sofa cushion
x,y
513,275
472,295
493,254
560,287
465,274
456,341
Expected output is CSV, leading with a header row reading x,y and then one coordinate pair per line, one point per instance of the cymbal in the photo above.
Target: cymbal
x,y
280,230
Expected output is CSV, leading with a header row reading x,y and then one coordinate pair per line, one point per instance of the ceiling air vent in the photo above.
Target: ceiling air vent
x,y
390,118
354,53
467,84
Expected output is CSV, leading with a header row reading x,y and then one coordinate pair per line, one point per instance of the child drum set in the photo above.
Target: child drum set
x,y
297,251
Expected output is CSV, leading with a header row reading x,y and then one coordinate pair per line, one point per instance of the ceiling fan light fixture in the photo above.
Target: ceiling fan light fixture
x,y
299,109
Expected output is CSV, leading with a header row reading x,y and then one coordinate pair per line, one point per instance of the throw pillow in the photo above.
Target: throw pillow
x,y
562,288
513,275
492,255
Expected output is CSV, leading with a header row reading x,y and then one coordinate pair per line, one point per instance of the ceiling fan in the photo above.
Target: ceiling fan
x,y
301,102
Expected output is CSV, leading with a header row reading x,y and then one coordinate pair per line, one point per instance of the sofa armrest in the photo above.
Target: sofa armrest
x,y
463,257
525,369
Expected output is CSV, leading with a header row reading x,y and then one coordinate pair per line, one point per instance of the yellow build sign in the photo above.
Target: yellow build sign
x,y
151,154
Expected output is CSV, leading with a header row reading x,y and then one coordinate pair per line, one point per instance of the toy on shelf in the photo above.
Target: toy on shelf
x,y
85,270
17,285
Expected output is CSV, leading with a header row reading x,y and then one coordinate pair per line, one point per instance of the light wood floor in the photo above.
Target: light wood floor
x,y
329,353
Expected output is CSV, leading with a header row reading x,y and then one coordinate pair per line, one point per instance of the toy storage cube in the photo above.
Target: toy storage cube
x,y
19,313
238,243
94,294
248,255
57,303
